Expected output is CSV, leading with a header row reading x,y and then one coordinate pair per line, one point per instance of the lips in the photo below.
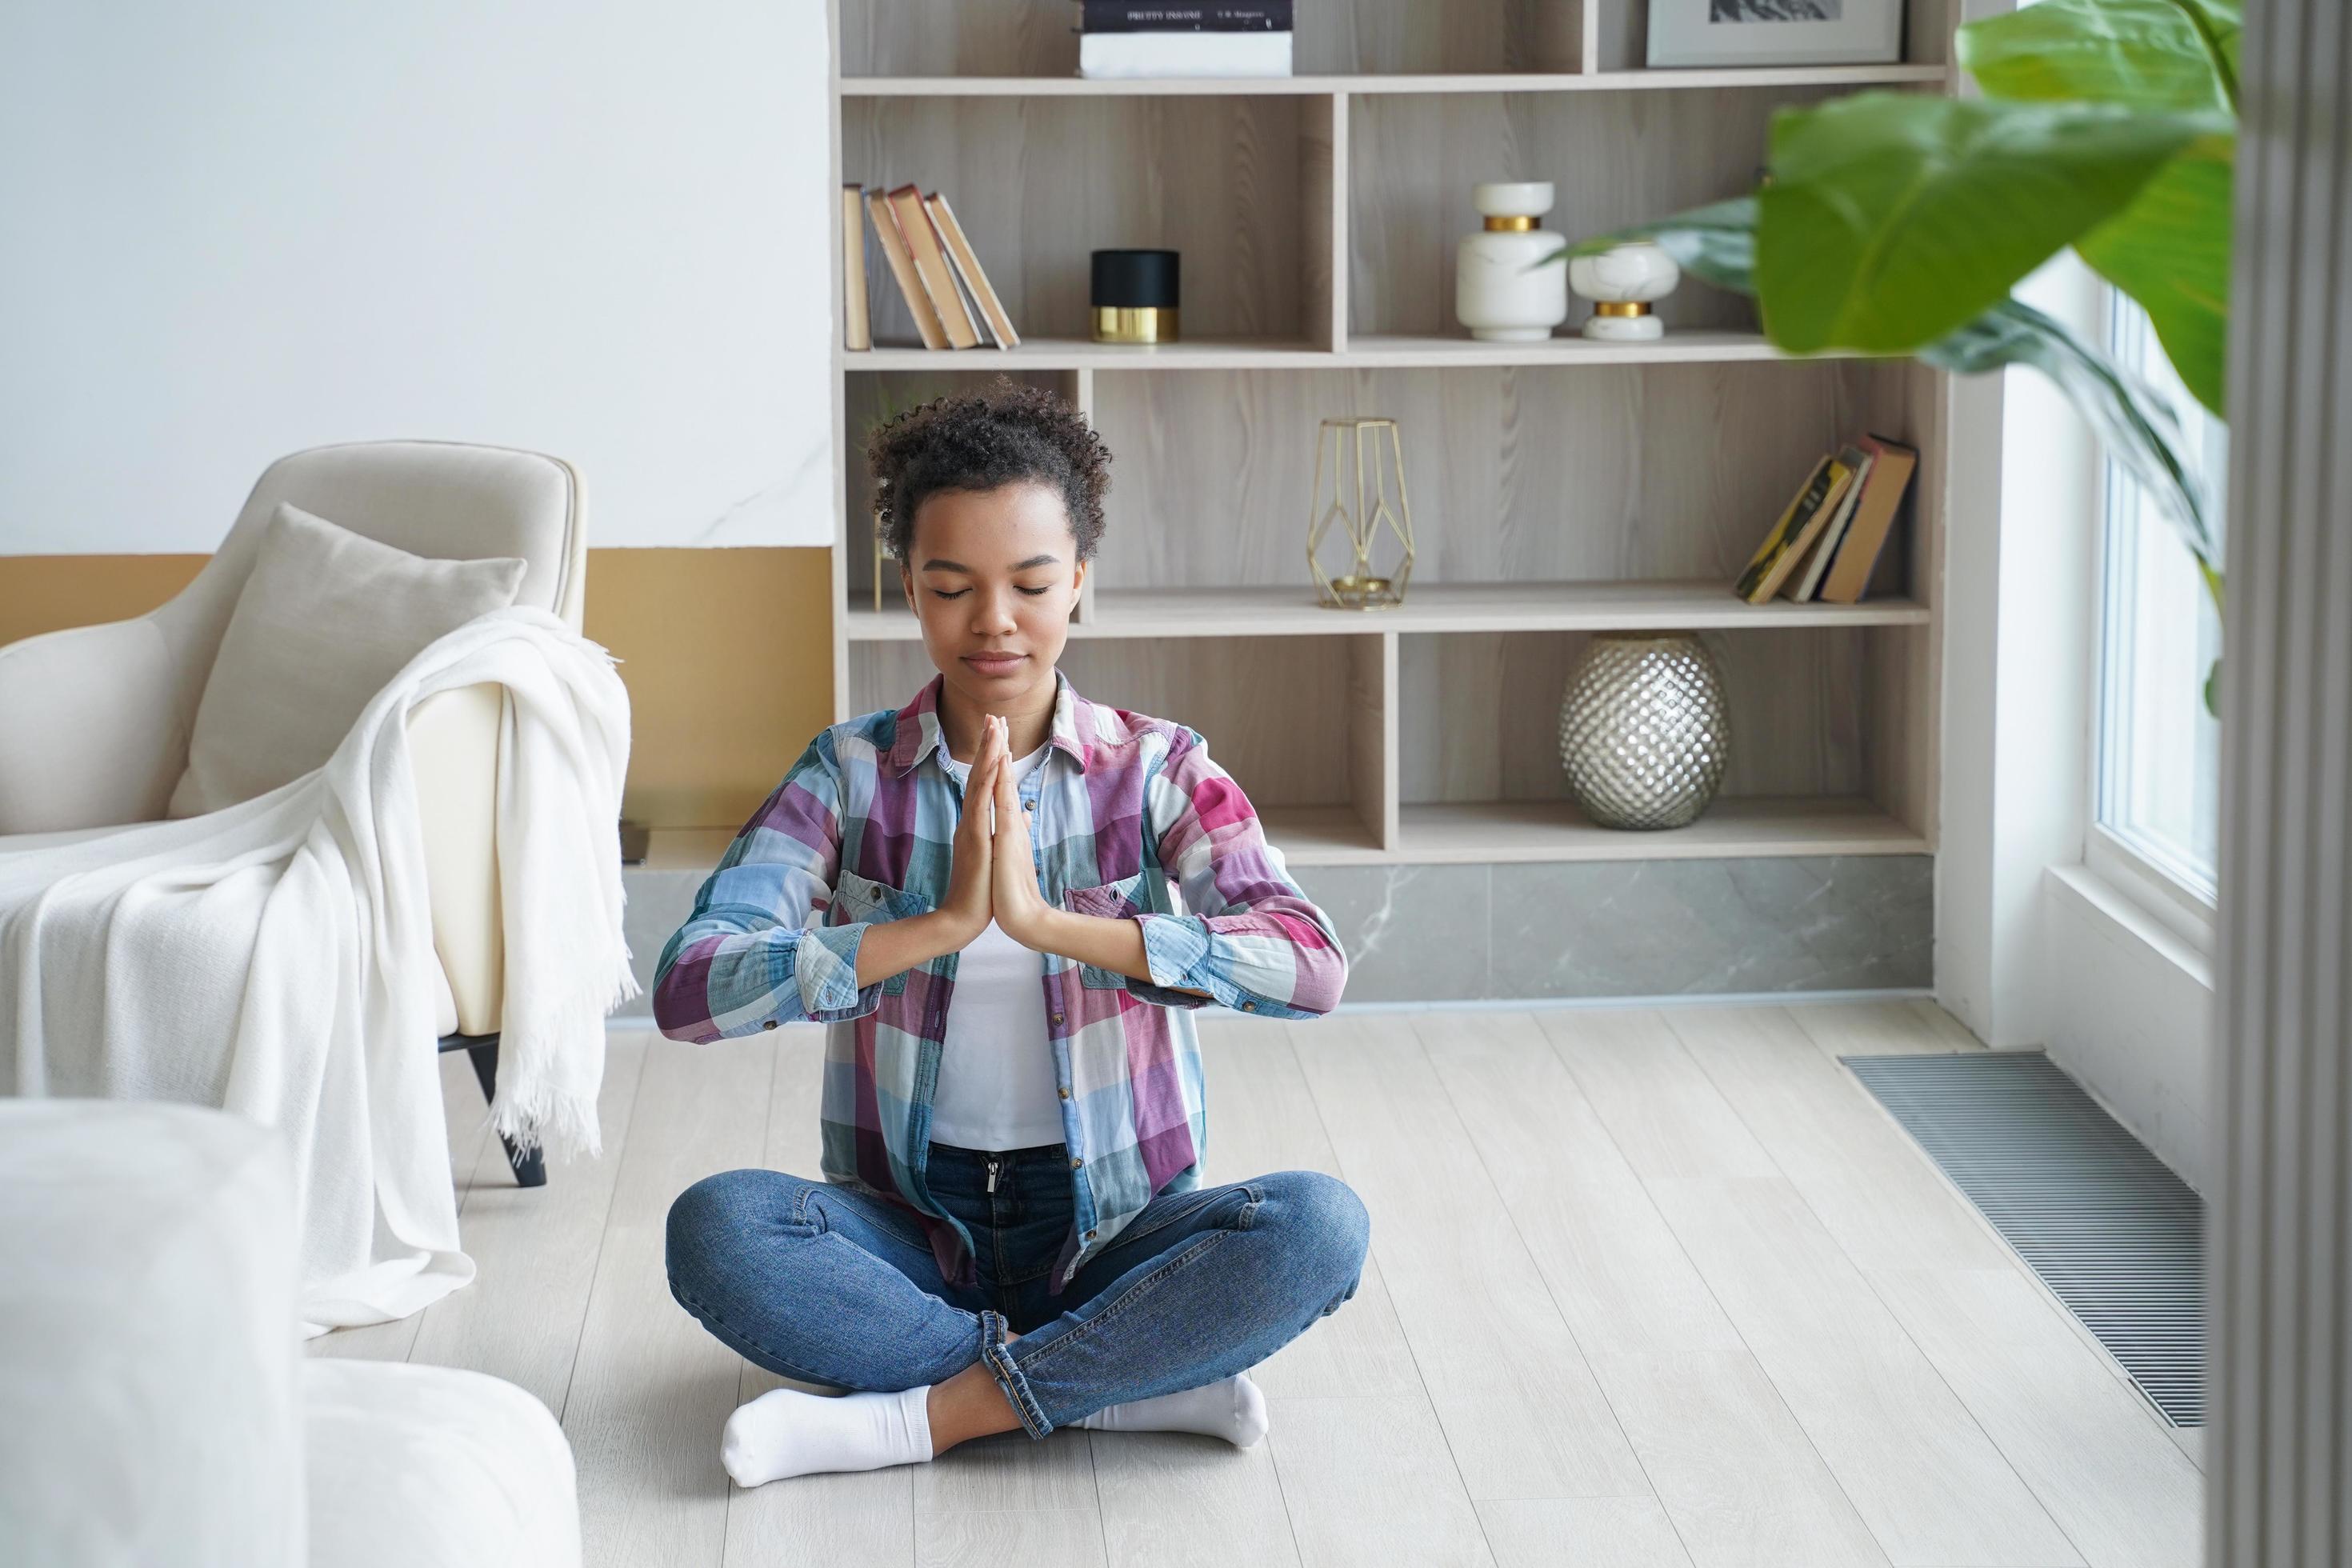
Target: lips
x,y
993,663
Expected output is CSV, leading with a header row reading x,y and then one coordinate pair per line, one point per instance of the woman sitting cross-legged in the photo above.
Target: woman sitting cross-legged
x,y
1011,1230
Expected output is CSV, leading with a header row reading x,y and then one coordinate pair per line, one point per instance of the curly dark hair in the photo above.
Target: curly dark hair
x,y
1004,434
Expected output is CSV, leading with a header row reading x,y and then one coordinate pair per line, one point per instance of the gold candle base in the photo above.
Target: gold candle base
x,y
1627,308
1355,593
1135,323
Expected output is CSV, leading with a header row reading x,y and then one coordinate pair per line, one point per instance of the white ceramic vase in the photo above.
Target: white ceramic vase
x,y
1622,282
1508,286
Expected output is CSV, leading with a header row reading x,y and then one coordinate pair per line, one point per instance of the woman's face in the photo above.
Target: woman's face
x,y
994,577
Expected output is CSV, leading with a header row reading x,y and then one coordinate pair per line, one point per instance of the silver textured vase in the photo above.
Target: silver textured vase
x,y
1643,729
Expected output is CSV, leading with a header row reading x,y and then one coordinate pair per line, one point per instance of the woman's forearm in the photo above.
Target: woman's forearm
x,y
890,946
1100,941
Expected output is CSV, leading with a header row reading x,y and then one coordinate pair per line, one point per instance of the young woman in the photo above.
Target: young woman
x,y
1011,1230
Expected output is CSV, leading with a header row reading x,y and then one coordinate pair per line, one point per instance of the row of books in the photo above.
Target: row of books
x,y
937,272
1135,38
1829,537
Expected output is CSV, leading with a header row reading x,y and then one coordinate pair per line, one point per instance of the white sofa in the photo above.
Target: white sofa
x,y
113,705
155,1407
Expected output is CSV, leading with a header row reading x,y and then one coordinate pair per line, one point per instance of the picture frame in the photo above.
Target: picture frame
x,y
1708,33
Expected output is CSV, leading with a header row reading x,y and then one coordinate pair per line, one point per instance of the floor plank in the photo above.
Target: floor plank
x,y
1358,1472
1051,1538
1667,1121
652,1389
1914,1025
2099,1458
537,1249
1172,1500
1737,1476
1521,1411
1621,1277
1590,1532
1931,1487
1875,1192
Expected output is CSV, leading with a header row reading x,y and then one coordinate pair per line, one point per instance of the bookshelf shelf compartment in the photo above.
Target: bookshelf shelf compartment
x,y
1697,346
1435,607
1369,83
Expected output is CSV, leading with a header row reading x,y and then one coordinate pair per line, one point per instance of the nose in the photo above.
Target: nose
x,y
991,613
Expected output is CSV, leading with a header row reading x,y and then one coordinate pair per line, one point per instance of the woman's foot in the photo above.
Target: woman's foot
x,y
1232,1408
785,1432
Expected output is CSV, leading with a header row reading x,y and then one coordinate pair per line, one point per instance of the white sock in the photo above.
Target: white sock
x,y
785,1432
1232,1408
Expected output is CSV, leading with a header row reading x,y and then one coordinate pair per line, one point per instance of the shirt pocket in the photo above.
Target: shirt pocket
x,y
1145,893
856,898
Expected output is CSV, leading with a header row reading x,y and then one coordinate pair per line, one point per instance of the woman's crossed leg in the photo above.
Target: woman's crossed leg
x,y
827,1285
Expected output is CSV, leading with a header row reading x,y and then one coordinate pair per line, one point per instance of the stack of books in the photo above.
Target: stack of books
x,y
940,278
1829,537
1145,39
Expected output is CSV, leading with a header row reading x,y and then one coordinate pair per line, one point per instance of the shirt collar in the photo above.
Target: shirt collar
x,y
920,732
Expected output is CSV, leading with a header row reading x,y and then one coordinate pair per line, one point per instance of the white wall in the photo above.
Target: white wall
x,y
593,227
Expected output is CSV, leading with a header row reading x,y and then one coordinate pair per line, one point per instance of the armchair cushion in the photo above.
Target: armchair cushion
x,y
325,621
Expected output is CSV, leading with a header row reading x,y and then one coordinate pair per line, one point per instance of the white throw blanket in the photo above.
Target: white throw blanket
x,y
276,959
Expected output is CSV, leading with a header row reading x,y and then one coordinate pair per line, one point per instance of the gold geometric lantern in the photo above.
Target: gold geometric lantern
x,y
1355,444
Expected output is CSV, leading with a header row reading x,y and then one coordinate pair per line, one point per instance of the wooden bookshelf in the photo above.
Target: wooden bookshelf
x,y
1559,488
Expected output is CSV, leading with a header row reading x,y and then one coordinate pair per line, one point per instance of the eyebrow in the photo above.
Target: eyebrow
x,y
936,565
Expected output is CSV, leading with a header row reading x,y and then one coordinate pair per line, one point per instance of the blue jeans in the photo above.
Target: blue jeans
x,y
832,1286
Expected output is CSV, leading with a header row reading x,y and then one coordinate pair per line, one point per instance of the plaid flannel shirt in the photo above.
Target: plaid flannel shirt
x,y
860,831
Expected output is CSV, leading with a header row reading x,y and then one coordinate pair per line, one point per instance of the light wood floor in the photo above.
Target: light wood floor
x,y
1647,1288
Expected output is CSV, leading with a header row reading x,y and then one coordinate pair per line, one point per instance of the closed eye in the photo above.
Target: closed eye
x,y
960,592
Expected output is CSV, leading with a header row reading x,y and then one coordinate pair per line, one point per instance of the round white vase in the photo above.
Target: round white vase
x,y
1508,286
1622,282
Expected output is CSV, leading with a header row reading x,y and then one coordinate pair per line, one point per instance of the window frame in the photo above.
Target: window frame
x,y
2176,894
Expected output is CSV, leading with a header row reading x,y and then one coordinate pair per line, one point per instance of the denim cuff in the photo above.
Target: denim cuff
x,y
999,1361
1172,945
825,962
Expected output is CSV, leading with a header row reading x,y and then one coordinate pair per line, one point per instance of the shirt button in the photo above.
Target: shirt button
x,y
1057,1018
1066,1094
1090,1235
1076,1163
769,1024
1249,1006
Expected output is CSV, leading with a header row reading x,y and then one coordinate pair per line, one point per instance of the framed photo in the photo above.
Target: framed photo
x,y
1775,32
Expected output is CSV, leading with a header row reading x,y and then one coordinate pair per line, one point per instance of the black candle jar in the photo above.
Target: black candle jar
x,y
1134,296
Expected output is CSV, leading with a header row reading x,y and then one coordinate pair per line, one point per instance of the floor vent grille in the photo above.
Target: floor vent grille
x,y
2109,1229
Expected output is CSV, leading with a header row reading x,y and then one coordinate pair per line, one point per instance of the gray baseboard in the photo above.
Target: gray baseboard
x,y
1567,929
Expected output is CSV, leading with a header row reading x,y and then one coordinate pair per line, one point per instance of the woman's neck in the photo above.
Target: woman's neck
x,y
1029,719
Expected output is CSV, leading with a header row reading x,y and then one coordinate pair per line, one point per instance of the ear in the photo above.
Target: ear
x,y
1078,577
907,582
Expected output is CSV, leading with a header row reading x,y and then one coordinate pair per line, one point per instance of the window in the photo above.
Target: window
x,y
2156,790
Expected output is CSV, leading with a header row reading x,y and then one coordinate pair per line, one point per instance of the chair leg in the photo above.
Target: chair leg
x,y
530,1169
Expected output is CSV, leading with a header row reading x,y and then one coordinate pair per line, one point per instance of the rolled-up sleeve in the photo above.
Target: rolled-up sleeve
x,y
1252,939
751,954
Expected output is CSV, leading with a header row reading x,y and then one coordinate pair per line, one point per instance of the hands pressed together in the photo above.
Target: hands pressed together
x,y
995,871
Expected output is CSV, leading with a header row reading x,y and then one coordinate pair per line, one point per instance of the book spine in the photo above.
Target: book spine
x,y
1140,16
968,268
856,333
931,266
902,268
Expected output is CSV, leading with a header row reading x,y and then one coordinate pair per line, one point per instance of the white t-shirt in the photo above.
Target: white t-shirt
x,y
996,1087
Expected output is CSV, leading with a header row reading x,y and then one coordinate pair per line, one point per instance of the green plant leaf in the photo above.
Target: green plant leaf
x,y
2133,422
2144,54
1891,219
2170,250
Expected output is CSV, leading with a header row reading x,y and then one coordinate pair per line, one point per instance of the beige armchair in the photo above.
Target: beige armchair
x,y
95,720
